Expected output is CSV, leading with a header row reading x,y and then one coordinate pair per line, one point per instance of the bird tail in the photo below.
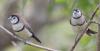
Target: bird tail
x,y
89,32
37,39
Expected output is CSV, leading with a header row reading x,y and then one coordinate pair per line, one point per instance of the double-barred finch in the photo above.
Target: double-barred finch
x,y
21,28
78,23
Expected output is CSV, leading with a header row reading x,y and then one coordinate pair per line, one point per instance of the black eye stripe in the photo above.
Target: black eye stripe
x,y
13,17
76,10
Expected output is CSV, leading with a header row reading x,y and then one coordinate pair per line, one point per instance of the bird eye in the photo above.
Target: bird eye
x,y
13,17
77,10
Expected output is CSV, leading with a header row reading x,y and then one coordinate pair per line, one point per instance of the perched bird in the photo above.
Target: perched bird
x,y
21,28
79,22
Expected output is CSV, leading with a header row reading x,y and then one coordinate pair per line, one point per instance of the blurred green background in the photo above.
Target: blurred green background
x,y
57,32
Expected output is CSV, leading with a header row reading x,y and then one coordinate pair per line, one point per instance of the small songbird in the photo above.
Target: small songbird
x,y
79,22
21,28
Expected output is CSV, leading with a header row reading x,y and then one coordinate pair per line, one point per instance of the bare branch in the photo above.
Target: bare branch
x,y
95,22
82,33
26,42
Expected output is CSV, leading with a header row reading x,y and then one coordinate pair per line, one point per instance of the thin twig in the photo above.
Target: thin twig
x,y
82,33
29,43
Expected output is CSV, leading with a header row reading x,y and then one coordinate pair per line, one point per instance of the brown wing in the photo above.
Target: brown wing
x,y
89,32
30,30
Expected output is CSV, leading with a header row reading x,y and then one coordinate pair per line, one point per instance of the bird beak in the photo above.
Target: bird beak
x,y
9,18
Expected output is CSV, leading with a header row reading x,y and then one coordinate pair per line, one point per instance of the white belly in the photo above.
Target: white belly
x,y
25,34
78,21
78,29
17,27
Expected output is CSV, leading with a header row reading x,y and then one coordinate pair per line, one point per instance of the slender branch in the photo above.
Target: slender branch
x,y
82,33
95,22
29,43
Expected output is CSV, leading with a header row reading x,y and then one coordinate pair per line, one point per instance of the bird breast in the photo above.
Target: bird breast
x,y
25,34
17,27
78,21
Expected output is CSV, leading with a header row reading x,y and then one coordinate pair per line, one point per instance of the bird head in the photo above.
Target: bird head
x,y
13,19
76,13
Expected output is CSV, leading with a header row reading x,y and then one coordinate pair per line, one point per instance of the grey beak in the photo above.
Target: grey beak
x,y
9,18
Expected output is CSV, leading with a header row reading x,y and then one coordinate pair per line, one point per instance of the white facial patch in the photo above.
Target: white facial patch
x,y
76,13
13,19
